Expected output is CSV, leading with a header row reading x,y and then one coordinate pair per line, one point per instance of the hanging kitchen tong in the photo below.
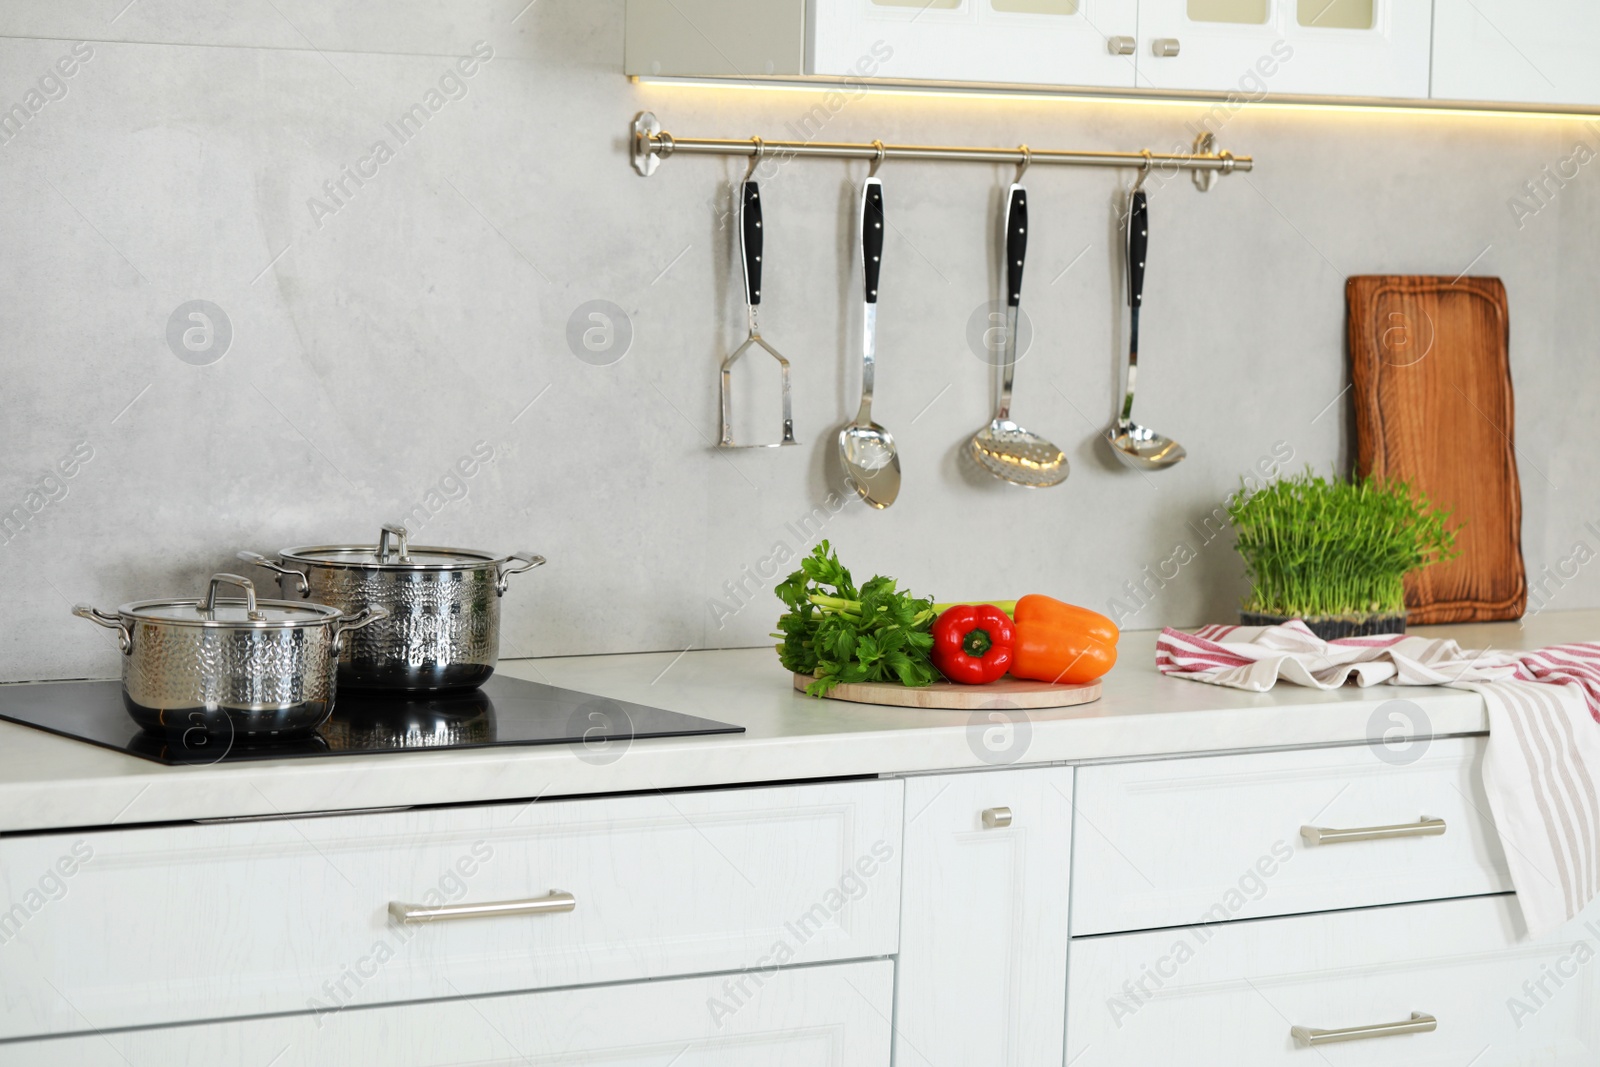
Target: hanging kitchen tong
x,y
750,242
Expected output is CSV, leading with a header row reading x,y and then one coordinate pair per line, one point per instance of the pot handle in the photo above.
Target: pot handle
x,y
345,623
209,608
503,570
110,621
277,568
391,530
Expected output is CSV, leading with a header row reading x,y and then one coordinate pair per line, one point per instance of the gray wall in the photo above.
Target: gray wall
x,y
376,344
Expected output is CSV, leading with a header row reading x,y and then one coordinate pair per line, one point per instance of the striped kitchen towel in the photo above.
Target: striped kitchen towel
x,y
1542,764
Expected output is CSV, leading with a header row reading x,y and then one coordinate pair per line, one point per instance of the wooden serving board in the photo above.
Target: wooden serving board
x,y
1430,366
949,696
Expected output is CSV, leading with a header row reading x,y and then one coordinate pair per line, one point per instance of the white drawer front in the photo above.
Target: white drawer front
x,y
1229,996
833,1016
1175,842
198,922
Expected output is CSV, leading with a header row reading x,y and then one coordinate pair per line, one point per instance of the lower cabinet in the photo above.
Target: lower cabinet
x,y
983,928
827,1016
1447,983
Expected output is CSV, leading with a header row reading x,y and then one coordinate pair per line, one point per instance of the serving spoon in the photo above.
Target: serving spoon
x,y
1003,448
1137,446
866,450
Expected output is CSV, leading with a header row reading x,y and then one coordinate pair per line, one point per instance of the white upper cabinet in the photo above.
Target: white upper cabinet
x,y
1521,51
1048,42
1255,47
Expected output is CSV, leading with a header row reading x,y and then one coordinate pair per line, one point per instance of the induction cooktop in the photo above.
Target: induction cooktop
x,y
504,711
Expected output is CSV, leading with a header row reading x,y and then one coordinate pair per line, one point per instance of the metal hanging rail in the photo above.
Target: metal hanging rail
x,y
651,144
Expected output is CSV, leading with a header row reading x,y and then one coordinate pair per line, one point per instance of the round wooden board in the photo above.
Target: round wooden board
x,y
948,696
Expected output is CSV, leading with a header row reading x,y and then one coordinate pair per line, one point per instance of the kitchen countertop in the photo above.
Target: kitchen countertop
x,y
49,782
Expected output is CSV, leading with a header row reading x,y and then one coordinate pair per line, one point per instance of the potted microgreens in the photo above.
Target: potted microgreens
x,y
1335,553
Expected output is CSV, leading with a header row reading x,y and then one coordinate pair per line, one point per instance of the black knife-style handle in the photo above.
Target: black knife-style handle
x,y
1016,243
871,235
750,241
1138,244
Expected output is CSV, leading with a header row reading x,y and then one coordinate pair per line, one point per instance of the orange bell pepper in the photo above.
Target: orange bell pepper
x,y
1061,643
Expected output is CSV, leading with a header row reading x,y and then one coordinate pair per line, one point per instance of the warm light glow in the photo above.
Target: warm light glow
x,y
1331,105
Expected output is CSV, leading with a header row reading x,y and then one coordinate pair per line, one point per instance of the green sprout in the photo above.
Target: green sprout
x,y
1315,546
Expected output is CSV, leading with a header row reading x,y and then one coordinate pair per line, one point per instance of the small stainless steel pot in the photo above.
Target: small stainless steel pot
x,y
254,667
443,629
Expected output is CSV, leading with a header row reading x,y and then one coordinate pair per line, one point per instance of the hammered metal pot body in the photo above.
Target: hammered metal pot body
x,y
443,629
261,681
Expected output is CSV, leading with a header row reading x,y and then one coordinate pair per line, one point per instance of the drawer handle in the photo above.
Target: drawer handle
x,y
996,818
1419,1023
1321,835
558,900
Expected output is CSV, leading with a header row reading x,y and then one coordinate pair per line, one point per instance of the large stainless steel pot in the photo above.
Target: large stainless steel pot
x,y
252,667
443,629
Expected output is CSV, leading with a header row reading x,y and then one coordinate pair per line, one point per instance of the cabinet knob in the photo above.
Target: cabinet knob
x,y
994,818
1121,46
1165,47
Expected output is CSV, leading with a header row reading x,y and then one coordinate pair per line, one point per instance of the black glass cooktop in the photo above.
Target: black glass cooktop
x,y
505,711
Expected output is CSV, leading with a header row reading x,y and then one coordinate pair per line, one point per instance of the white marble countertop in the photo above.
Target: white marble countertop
x,y
50,782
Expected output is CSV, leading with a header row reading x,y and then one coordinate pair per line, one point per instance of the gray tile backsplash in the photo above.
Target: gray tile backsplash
x,y
402,318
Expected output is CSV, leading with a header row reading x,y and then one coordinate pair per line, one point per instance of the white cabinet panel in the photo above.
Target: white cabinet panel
x,y
1174,842
1532,51
983,938
1051,42
834,1016
1286,46
178,923
1229,995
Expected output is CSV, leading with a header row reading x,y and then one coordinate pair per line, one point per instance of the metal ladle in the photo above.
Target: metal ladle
x,y
1137,446
1003,448
866,450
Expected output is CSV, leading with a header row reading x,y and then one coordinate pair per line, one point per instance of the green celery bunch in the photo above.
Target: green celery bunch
x,y
838,633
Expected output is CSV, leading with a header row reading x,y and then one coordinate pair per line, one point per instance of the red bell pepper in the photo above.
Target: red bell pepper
x,y
972,643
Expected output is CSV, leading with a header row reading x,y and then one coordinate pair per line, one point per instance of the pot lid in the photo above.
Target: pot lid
x,y
217,611
192,611
393,551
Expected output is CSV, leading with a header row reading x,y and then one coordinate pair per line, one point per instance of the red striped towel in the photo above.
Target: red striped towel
x,y
1542,765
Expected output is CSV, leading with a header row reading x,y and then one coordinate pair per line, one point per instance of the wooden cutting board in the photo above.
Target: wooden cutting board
x,y
948,696
1430,365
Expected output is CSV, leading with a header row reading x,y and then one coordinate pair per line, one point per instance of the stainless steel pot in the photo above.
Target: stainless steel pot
x,y
252,667
443,629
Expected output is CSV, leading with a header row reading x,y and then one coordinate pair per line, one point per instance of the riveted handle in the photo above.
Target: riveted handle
x,y
871,236
110,620
275,567
355,621
503,570
1138,245
750,241
1016,242
209,608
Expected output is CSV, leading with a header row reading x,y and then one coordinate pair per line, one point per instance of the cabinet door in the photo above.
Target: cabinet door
x,y
1255,47
1526,51
983,936
1050,42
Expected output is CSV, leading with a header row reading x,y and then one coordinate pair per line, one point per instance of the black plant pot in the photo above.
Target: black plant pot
x,y
1329,627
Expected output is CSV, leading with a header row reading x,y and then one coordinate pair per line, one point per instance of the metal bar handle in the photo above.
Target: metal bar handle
x,y
556,900
1419,1023
651,144
399,533
277,568
1322,835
